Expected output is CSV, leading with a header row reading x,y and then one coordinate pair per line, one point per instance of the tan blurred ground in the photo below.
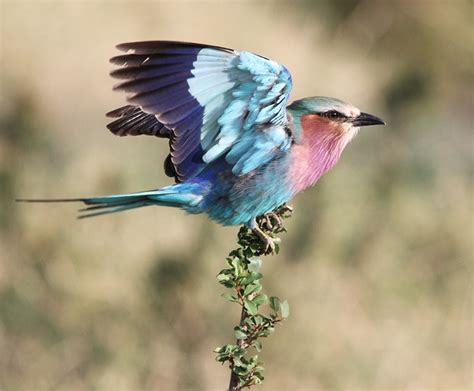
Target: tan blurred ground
x,y
377,264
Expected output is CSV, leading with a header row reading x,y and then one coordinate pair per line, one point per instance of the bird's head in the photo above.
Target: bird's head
x,y
323,127
331,115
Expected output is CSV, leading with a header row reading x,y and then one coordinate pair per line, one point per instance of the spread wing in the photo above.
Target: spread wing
x,y
211,102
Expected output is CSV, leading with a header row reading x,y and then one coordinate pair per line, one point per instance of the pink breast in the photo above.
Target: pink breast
x,y
317,152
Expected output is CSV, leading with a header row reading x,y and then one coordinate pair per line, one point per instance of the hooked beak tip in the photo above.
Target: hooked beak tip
x,y
366,119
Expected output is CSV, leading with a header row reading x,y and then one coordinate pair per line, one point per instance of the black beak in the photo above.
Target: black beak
x,y
365,119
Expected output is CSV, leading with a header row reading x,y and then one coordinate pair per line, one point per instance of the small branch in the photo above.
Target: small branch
x,y
234,379
243,278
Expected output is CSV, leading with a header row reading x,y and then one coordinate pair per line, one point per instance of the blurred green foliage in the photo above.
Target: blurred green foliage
x,y
377,262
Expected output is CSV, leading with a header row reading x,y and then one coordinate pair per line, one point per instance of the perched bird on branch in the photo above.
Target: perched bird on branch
x,y
237,151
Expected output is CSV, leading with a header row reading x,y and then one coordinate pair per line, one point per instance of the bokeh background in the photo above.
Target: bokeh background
x,y
377,263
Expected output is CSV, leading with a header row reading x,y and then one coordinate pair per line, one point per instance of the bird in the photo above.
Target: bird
x,y
238,149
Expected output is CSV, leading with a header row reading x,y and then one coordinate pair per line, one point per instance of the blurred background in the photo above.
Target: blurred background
x,y
377,261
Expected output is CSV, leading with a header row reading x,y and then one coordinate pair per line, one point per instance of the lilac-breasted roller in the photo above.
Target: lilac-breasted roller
x,y
237,151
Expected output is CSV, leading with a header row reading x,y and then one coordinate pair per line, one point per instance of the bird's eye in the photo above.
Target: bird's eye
x,y
333,114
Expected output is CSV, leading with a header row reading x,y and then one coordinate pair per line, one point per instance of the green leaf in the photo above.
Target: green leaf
x,y
228,284
225,278
255,287
260,299
230,297
222,358
277,248
239,334
257,320
229,260
266,331
259,374
257,345
255,265
250,307
249,252
237,266
275,303
222,276
253,276
284,309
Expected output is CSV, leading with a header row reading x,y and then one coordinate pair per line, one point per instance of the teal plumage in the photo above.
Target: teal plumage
x,y
237,150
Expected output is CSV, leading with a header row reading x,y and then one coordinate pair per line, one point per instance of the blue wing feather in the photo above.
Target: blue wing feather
x,y
217,103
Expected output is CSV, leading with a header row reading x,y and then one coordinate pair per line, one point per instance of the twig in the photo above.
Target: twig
x,y
234,379
243,278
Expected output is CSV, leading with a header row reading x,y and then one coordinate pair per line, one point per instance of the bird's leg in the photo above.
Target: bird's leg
x,y
267,241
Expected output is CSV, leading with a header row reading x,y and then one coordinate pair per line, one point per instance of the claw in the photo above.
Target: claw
x,y
277,218
264,222
267,241
269,222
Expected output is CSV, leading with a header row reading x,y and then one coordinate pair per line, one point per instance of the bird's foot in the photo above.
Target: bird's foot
x,y
270,221
269,243
273,221
266,226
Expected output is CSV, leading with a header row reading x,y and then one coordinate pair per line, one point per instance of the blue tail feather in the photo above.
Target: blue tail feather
x,y
186,196
107,209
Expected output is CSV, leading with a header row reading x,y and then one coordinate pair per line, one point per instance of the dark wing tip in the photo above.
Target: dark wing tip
x,y
133,121
154,46
118,60
145,46
121,111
